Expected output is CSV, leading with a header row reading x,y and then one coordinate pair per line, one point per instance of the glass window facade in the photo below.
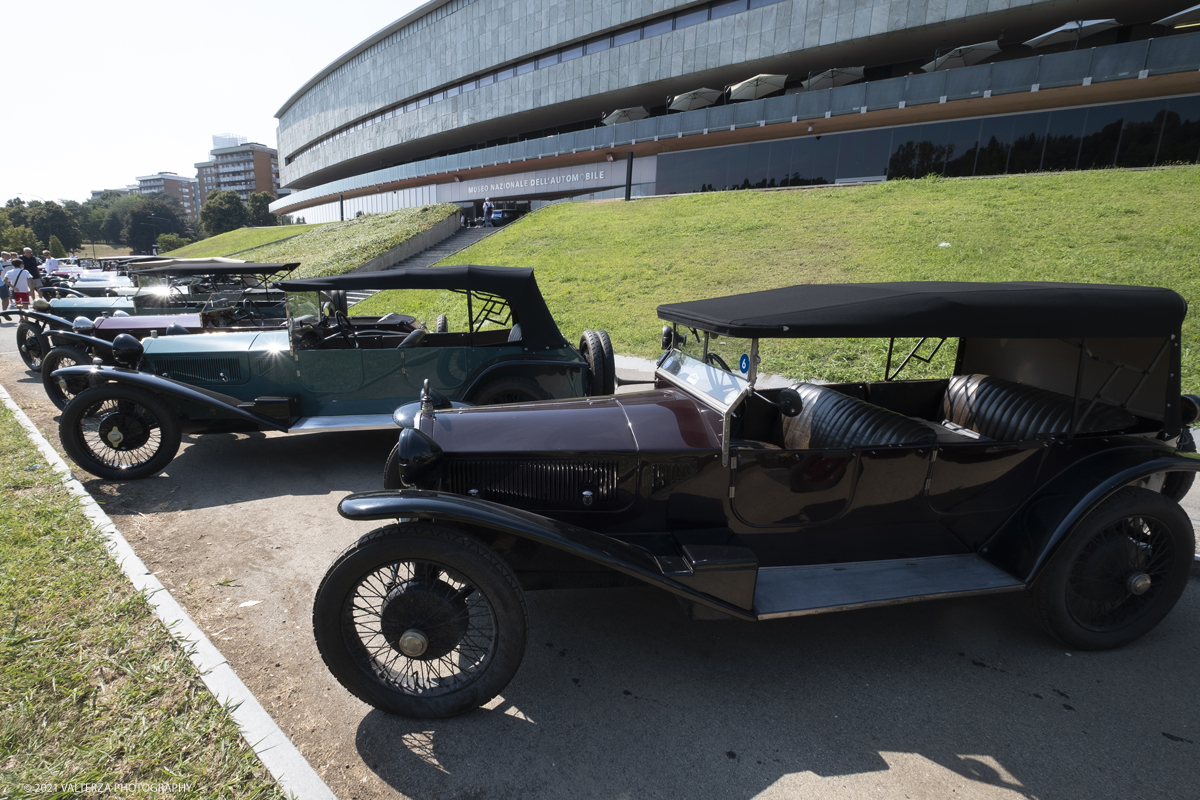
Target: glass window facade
x,y
1138,134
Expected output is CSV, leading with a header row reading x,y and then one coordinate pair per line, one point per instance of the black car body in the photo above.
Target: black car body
x,y
1050,460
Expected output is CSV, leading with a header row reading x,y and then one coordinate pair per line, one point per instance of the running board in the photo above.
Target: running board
x,y
815,589
349,422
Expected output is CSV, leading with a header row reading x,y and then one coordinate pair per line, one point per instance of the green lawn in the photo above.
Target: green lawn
x,y
236,241
608,264
339,247
92,687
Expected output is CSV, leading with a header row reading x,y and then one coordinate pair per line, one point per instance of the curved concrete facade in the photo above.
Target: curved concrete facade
x,y
360,98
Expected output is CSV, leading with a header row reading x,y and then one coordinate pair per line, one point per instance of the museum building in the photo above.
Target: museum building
x,y
542,100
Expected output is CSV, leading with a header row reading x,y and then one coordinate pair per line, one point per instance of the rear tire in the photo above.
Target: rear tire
x,y
510,390
59,358
592,350
1119,572
1178,484
610,363
29,345
119,433
421,620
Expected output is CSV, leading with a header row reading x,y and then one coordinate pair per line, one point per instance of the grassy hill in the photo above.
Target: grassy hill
x,y
609,264
338,247
236,241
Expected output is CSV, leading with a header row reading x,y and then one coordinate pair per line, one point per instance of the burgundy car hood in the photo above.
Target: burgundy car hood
x,y
659,420
140,326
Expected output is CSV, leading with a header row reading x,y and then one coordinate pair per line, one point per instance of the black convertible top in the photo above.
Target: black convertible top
x,y
183,267
515,285
1018,310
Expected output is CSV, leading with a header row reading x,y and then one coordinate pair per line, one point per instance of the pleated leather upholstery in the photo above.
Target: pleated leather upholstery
x,y
829,420
1008,412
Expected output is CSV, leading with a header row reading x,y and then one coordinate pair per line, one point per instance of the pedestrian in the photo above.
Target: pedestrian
x,y
35,273
19,279
5,289
487,212
49,263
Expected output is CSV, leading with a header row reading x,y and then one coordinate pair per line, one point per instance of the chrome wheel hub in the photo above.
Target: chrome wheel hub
x,y
413,643
114,437
1138,583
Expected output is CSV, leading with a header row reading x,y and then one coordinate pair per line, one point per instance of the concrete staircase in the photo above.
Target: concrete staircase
x,y
465,237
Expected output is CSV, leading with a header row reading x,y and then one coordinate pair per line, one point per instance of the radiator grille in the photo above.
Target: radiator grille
x,y
535,483
200,370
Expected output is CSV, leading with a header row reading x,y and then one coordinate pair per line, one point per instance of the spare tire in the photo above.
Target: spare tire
x,y
610,363
510,390
442,326
592,350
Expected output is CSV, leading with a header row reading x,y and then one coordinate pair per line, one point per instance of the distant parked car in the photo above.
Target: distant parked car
x,y
326,371
1049,459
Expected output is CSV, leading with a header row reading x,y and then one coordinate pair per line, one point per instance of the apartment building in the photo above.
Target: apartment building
x,y
182,189
245,168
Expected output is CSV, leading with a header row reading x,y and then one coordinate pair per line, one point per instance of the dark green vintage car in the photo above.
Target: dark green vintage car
x,y
326,371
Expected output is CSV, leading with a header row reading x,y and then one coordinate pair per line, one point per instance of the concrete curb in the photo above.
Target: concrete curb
x,y
291,771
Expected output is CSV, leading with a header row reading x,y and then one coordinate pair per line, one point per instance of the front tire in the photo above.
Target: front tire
x,y
58,358
29,345
421,621
1119,572
119,433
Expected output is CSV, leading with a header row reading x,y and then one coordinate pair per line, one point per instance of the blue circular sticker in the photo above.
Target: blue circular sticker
x,y
745,363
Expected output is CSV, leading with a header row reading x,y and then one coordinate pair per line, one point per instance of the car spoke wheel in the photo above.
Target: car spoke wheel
x,y
119,432
61,390
421,620
29,346
510,390
1119,572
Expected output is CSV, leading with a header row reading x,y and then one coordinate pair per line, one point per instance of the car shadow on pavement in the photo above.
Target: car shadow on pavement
x,y
622,696
220,469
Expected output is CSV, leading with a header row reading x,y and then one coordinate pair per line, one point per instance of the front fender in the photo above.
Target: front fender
x,y
597,548
49,320
1030,538
172,388
97,345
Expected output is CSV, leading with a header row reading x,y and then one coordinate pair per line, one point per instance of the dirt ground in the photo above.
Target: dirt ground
x,y
621,696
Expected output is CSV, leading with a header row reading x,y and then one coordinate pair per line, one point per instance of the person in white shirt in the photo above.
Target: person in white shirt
x,y
49,263
19,280
5,289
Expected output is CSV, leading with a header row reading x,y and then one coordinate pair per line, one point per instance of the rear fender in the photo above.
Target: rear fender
x,y
172,388
522,368
625,558
1030,538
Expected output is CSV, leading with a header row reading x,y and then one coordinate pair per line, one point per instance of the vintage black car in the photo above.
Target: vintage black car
x,y
325,371
1048,458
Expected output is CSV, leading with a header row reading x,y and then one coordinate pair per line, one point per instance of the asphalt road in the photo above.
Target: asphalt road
x,y
621,696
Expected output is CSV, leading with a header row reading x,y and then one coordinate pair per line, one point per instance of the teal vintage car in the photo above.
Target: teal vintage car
x,y
327,371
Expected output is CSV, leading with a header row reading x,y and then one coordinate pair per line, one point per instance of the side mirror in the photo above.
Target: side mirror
x,y
668,337
790,404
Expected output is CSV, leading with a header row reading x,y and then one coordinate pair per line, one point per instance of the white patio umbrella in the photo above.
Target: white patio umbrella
x,y
838,76
963,56
756,87
1184,19
1072,32
697,98
626,115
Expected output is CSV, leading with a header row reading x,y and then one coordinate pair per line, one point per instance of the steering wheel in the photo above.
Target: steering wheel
x,y
713,358
345,329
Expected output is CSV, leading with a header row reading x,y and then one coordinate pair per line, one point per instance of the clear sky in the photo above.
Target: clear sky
x,y
98,93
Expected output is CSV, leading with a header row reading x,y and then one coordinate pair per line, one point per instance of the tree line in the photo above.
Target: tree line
x,y
138,221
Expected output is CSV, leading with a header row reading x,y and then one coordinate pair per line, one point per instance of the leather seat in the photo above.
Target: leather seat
x,y
829,420
1010,412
